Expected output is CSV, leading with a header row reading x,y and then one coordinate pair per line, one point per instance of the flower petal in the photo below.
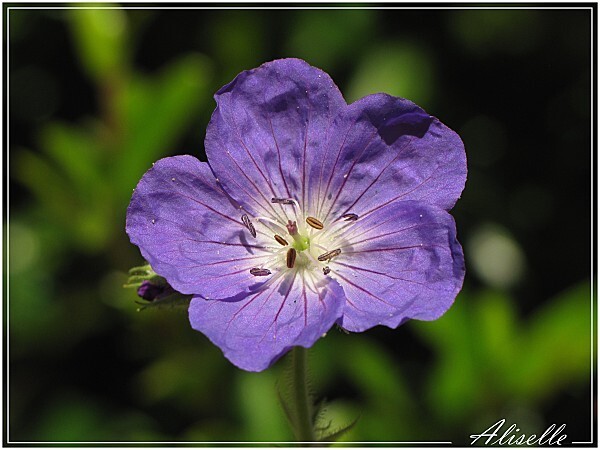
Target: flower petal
x,y
254,332
190,231
386,149
401,262
269,123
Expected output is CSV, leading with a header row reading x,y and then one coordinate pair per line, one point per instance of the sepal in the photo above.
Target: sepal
x,y
327,435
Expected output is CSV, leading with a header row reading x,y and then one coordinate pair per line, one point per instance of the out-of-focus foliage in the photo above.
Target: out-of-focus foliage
x,y
85,175
114,90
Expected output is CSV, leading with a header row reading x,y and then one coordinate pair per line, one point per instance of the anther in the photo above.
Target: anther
x,y
350,217
249,225
260,272
315,223
290,258
281,240
331,254
283,201
326,270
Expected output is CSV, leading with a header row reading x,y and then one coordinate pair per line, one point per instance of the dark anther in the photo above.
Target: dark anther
x,y
249,225
282,201
327,256
260,272
315,223
326,270
290,258
350,217
281,240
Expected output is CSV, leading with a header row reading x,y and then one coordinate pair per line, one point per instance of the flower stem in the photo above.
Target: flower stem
x,y
304,425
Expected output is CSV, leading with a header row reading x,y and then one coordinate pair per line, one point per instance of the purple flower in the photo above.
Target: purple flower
x,y
310,212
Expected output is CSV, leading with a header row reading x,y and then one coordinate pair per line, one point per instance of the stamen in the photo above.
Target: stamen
x,y
281,240
270,222
292,227
249,225
290,258
326,270
327,256
260,272
283,201
315,223
350,217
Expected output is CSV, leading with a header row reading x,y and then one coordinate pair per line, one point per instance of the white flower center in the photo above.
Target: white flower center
x,y
305,245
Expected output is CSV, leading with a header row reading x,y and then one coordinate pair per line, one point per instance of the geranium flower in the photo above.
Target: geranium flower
x,y
309,212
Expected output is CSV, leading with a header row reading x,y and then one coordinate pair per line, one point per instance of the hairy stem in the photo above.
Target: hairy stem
x,y
304,425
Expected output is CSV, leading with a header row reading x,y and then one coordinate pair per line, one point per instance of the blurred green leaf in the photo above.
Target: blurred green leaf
x,y
335,434
326,38
70,202
78,154
100,39
556,345
341,412
380,387
370,362
172,378
243,46
402,69
156,111
82,163
69,417
49,186
487,358
486,31
263,417
454,384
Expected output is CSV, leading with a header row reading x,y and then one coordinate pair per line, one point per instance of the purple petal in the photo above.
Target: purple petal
x,y
190,231
400,262
386,149
269,125
254,332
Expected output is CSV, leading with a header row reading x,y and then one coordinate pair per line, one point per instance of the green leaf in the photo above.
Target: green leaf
x,y
335,435
329,37
556,346
155,112
69,184
454,383
258,406
369,362
47,184
77,153
100,36
401,69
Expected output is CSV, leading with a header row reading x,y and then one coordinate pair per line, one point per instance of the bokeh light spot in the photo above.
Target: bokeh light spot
x,y
495,256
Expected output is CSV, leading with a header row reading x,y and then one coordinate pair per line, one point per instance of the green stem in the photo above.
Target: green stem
x,y
304,425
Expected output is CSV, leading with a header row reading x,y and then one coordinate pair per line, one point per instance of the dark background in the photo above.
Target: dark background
x,y
96,95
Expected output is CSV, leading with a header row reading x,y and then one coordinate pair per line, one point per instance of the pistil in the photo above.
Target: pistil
x,y
300,243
